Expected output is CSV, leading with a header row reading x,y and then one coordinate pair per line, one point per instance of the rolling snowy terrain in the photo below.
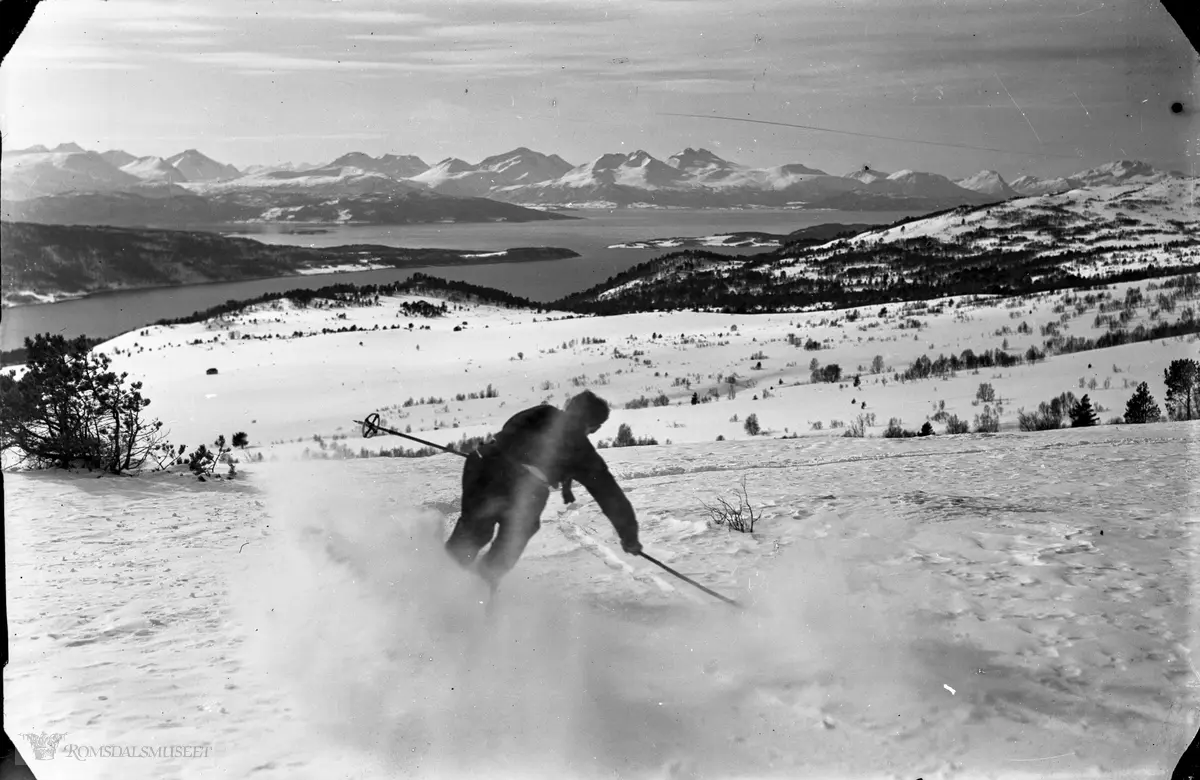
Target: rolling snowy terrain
x,y
978,605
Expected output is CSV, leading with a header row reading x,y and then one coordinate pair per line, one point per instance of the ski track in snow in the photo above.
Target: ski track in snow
x,y
915,608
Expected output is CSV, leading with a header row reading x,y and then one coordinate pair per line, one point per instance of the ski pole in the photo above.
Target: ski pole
x,y
371,427
690,581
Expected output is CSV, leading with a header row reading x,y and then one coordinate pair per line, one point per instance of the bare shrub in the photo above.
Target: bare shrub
x,y
741,517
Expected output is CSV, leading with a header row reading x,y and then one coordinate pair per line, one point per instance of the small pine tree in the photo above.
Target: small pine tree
x,y
1082,414
1182,379
624,436
926,429
751,425
1141,407
241,440
695,399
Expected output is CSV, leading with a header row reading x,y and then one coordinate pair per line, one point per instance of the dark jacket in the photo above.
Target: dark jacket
x,y
556,443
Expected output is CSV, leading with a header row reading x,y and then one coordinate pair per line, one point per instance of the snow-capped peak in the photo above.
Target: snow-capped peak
x,y
867,175
197,166
153,169
988,183
698,161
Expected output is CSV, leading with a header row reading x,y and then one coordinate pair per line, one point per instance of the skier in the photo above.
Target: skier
x,y
508,480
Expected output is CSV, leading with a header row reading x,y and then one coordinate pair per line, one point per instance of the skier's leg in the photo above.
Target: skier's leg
x,y
517,527
470,535
481,508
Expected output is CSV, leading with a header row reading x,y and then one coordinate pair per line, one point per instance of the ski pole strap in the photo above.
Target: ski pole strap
x,y
690,581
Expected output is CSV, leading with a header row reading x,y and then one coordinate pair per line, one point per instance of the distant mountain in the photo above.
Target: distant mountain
x,y
700,178
703,165
867,175
1117,173
617,179
519,167
118,157
446,176
198,167
1032,185
395,166
69,148
522,166
920,184
286,166
35,149
1120,172
988,183
329,182
154,169
35,174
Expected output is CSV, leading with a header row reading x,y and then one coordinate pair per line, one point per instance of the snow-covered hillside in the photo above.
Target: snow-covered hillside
x,y
979,605
1012,606
1115,227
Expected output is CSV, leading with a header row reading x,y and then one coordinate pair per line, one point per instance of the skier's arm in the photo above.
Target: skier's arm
x,y
594,475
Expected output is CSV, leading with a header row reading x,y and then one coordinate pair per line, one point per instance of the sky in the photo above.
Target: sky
x,y
1022,86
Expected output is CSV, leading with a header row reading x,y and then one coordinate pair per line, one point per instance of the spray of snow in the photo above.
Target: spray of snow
x,y
389,651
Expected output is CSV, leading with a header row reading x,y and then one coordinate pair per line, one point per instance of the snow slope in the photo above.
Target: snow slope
x,y
1007,605
910,613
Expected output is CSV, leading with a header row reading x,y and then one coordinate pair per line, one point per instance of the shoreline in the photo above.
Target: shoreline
x,y
468,258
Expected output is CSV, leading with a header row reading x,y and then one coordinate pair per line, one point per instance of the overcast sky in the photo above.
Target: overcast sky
x,y
1057,86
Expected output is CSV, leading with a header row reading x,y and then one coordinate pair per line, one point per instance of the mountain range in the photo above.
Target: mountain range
x,y
68,183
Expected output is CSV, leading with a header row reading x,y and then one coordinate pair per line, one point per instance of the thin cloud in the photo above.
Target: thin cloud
x,y
168,25
44,53
387,37
261,62
354,16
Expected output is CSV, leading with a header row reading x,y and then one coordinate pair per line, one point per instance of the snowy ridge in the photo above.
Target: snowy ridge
x,y
154,169
1136,222
519,167
329,182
